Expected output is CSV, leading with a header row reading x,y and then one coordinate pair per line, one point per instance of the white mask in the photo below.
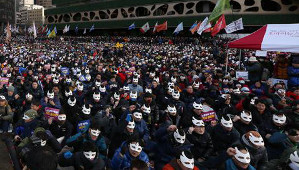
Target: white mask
x,y
256,140
279,120
29,96
148,90
56,80
90,155
196,85
237,91
131,125
70,102
95,132
226,123
25,117
96,96
86,110
61,117
88,77
156,79
180,139
68,80
137,115
246,117
294,158
133,95
50,95
197,122
87,71
102,89
188,163
197,106
146,109
241,157
171,109
116,96
173,79
135,80
170,84
176,94
126,88
170,90
135,147
80,87
67,94
97,83
152,74
43,142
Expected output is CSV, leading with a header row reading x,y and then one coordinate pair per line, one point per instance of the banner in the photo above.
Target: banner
x,y
51,112
261,53
242,74
234,26
208,114
83,126
4,80
65,71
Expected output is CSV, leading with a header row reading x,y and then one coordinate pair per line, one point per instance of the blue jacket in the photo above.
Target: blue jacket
x,y
118,162
142,129
56,101
293,74
100,143
26,129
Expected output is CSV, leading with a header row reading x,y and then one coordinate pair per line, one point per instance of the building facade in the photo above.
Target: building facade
x,y
30,13
121,13
7,13
44,3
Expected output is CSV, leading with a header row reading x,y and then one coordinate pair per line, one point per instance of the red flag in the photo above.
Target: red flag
x,y
44,29
193,30
161,27
219,25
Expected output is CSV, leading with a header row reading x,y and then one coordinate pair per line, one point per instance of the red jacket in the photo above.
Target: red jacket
x,y
173,165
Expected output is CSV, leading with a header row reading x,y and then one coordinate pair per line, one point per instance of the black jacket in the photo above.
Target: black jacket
x,y
202,145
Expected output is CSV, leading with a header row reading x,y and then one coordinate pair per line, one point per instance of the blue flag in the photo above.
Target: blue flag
x,y
194,25
179,28
49,32
92,28
132,26
55,30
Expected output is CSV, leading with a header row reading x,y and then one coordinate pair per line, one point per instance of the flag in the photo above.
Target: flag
x,y
49,32
220,7
34,30
44,29
84,32
179,28
68,28
161,27
219,26
65,29
194,29
91,28
132,26
53,33
194,25
55,30
234,26
145,28
8,33
204,25
76,29
154,30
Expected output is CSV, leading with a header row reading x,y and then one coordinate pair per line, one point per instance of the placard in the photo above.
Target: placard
x,y
51,112
274,81
208,114
261,53
83,126
242,74
65,71
4,80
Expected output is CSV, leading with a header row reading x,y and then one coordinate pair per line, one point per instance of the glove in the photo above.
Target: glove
x,y
67,155
123,149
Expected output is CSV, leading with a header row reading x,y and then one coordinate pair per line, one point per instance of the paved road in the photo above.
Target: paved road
x,y
5,163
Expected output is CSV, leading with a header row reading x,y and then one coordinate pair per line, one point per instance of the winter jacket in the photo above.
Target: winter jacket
x,y
107,122
123,162
223,139
202,145
243,128
56,102
281,70
59,131
259,157
77,141
6,113
142,129
26,129
293,73
79,161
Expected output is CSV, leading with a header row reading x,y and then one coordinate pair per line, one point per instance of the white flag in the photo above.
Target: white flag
x,y
65,29
234,26
179,28
84,31
155,27
34,30
204,25
68,28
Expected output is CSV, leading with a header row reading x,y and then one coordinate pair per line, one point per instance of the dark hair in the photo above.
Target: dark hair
x,y
227,118
35,102
42,158
95,125
187,153
89,146
239,146
139,164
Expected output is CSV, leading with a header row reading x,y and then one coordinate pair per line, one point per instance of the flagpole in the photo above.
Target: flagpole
x,y
226,60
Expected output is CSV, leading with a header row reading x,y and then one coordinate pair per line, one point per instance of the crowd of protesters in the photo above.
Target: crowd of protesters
x,y
148,103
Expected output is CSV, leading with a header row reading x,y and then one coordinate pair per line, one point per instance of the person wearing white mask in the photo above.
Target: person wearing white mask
x,y
224,134
88,158
184,161
243,122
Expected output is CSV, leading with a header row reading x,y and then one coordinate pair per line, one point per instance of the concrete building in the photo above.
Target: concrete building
x,y
119,14
44,3
30,13
7,13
